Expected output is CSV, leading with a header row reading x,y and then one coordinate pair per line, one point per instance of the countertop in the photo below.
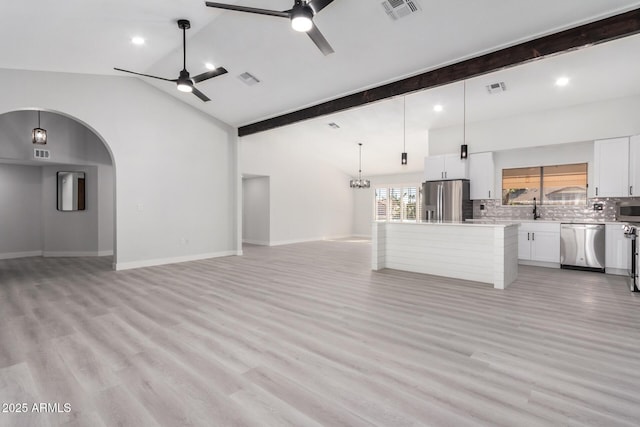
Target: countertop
x,y
456,223
552,221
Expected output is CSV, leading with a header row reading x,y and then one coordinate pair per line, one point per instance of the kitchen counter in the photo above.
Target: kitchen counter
x,y
554,221
480,252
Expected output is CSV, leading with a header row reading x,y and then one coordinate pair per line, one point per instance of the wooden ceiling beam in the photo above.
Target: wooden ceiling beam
x,y
622,25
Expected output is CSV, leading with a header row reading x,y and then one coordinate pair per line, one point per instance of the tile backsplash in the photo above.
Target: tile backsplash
x,y
493,209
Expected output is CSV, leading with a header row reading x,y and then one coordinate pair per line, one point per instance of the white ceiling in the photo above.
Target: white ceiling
x,y
93,37
606,71
370,49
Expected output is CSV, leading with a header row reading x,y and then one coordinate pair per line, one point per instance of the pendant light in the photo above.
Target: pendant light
x,y
360,183
464,149
403,157
39,135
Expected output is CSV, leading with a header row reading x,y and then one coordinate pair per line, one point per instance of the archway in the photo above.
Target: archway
x,y
33,224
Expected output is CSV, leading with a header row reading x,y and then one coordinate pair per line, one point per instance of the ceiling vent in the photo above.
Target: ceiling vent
x,y
397,9
248,79
41,154
334,125
496,87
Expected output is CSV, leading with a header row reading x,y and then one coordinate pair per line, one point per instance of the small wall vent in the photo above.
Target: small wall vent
x,y
41,154
248,79
397,9
496,87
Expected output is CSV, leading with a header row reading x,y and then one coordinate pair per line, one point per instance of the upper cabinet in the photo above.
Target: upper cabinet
x,y
616,166
447,166
634,166
482,176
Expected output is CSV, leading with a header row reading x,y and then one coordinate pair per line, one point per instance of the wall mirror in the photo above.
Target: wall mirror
x,y
71,191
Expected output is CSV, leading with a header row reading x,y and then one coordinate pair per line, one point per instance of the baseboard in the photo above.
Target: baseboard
x,y
61,254
539,263
314,239
617,271
361,236
256,242
12,255
291,242
162,261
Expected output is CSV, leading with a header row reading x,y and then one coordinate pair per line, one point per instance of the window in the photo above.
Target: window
x,y
399,203
552,185
382,204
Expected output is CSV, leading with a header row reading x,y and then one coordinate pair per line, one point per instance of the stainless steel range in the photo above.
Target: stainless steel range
x,y
631,232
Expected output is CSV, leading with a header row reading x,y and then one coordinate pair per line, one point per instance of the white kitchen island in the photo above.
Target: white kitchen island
x,y
479,252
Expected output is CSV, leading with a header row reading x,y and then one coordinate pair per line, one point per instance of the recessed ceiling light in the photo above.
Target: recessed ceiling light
x,y
437,108
137,40
209,66
562,81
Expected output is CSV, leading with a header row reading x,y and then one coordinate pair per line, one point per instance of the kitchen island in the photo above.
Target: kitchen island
x,y
479,252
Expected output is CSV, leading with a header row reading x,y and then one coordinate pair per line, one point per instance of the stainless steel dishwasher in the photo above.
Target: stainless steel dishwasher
x,y
582,246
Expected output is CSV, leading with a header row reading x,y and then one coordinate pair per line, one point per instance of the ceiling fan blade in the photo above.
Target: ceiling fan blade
x,y
200,95
284,14
322,43
209,74
318,5
146,75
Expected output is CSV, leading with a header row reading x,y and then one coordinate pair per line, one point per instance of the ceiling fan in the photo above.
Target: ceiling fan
x,y
301,16
184,82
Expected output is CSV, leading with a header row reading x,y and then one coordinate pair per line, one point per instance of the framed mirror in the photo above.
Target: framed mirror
x,y
71,191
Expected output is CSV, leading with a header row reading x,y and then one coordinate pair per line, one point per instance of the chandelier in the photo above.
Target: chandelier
x,y
360,183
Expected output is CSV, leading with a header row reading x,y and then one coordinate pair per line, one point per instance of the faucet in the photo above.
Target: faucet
x,y
536,215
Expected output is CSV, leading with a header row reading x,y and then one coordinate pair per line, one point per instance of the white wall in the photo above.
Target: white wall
x,y
255,210
364,198
310,199
20,211
176,186
73,233
586,122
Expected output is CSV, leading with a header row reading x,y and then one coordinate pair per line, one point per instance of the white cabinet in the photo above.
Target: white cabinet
x,y
617,250
611,167
447,166
482,175
634,166
539,241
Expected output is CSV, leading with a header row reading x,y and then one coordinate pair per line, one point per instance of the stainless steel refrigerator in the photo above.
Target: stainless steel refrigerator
x,y
446,200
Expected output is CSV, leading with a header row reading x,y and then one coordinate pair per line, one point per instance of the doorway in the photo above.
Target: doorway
x,y
256,210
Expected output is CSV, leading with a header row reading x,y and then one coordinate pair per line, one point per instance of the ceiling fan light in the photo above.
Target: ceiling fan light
x,y
185,85
301,19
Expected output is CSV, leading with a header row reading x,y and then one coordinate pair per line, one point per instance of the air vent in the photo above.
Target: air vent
x,y
41,154
397,9
248,79
496,87
334,125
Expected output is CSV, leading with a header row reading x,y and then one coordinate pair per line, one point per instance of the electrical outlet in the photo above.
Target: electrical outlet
x,y
598,206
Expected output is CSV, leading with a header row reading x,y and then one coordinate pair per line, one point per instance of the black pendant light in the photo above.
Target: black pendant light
x,y
464,149
39,135
403,157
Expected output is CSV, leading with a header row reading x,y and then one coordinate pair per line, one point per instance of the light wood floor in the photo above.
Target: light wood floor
x,y
308,335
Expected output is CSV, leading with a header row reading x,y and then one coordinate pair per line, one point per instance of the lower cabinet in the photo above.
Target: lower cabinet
x,y
617,250
539,241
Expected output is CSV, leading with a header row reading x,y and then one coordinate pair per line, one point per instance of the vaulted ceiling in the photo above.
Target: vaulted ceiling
x,y
370,48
